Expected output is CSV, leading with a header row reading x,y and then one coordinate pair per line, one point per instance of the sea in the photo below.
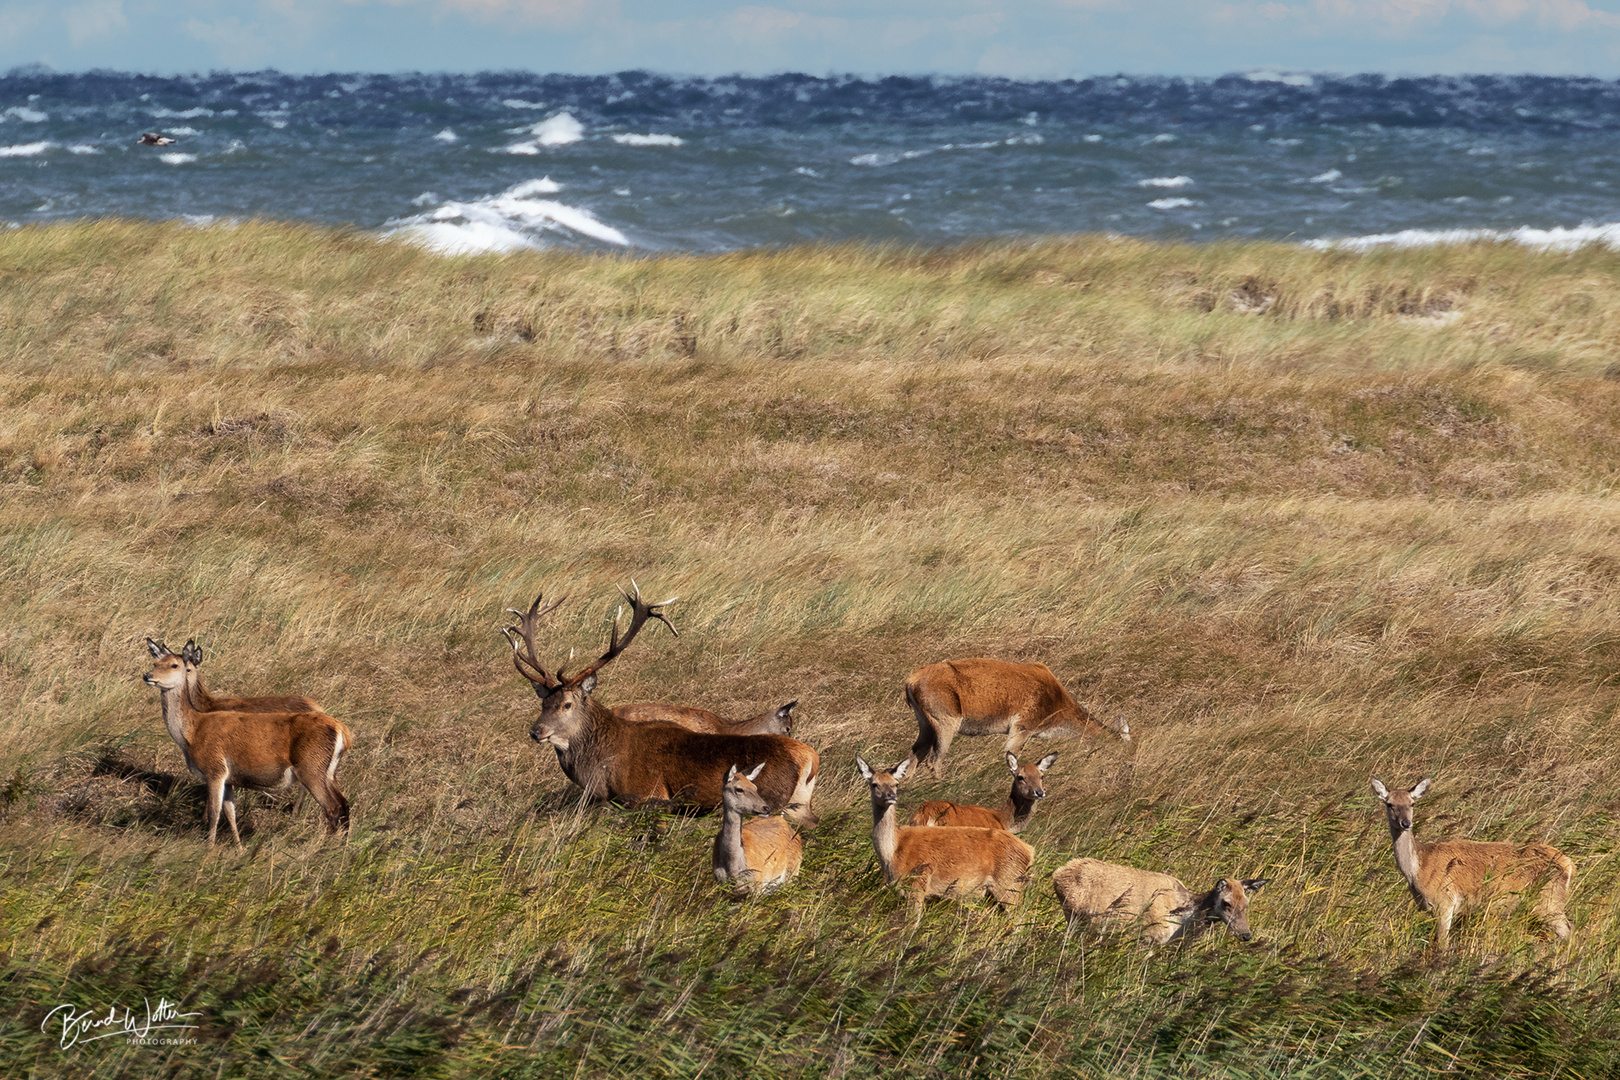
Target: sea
x,y
645,163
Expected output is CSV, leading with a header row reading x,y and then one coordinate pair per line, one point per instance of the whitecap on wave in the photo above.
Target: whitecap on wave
x,y
24,149
25,114
1174,203
649,140
511,221
177,159
1165,181
1554,239
559,130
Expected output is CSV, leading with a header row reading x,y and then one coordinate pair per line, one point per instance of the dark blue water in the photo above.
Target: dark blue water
x,y
504,160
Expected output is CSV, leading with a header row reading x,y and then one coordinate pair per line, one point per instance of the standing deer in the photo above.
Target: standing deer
x,y
1449,877
992,697
1014,813
763,853
779,721
952,862
1104,893
630,762
265,751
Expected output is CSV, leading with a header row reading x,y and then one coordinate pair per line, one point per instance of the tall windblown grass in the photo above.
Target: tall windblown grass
x,y
1299,517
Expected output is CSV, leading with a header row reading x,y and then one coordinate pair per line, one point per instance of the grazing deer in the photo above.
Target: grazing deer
x,y
1449,877
1014,813
940,860
191,655
630,762
779,721
1103,893
992,697
757,856
227,750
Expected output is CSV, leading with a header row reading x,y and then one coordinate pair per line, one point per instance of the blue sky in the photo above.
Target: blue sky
x,y
1020,38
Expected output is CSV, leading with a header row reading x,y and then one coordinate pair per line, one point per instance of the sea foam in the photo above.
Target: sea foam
x,y
32,149
1555,239
510,221
649,140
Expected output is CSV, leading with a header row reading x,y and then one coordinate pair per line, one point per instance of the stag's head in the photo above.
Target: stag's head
x,y
1398,803
1027,779
565,699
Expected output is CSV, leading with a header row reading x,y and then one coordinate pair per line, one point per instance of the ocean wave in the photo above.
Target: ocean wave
x,y
559,130
511,221
1174,203
177,158
33,149
1554,239
26,115
184,114
447,136
649,140
1165,181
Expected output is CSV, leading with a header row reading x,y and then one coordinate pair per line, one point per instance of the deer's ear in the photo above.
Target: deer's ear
x,y
731,774
1223,892
1012,762
156,648
541,690
1422,786
757,770
1379,789
900,770
588,685
866,770
1047,762
1254,885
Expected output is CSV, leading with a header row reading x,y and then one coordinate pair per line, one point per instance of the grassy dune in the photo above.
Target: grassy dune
x,y
1299,517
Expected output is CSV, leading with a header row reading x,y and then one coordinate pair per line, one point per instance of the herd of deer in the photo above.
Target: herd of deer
x,y
651,752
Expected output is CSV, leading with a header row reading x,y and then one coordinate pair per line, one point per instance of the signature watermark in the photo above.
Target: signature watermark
x,y
136,1028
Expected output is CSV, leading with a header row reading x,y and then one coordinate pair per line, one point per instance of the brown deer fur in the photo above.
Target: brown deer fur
x,y
632,762
1103,894
227,750
992,697
779,721
758,855
1450,877
943,861
1014,814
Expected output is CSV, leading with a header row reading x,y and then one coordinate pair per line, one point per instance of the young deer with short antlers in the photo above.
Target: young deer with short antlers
x,y
758,855
1027,787
979,696
611,758
227,750
1450,877
951,862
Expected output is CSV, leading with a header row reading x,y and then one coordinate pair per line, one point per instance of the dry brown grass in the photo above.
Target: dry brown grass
x,y
1265,503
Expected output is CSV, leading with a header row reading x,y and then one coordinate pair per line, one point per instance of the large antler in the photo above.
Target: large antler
x,y
523,633
641,611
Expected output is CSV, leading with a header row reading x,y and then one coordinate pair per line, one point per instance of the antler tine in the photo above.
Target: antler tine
x,y
640,612
524,632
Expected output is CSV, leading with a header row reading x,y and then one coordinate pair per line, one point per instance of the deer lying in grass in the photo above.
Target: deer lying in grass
x,y
611,758
1449,877
779,721
266,751
1014,813
759,855
951,862
1103,894
993,697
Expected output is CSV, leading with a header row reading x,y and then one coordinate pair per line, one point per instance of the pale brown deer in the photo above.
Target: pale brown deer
x,y
630,762
1104,894
226,750
1028,786
191,655
754,856
979,696
1450,877
779,721
956,863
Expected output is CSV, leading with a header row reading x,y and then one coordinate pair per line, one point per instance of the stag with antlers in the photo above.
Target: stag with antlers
x,y
632,762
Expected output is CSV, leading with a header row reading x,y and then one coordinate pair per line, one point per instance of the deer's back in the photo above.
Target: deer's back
x,y
1475,868
694,719
1094,889
986,692
957,814
667,761
956,860
286,703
